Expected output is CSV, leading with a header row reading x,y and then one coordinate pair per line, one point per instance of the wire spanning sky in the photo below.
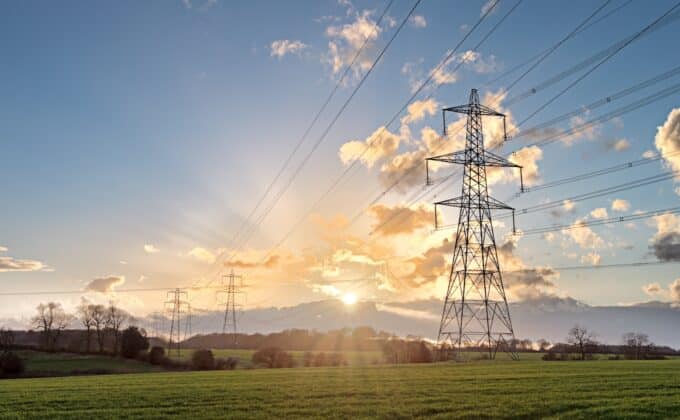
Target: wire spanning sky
x,y
138,137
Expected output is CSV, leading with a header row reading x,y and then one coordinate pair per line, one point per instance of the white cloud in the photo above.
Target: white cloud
x,y
592,258
282,47
649,154
583,235
674,289
105,284
652,289
327,289
667,140
13,264
620,205
568,205
418,21
345,40
150,249
621,145
3,249
599,213
379,145
202,255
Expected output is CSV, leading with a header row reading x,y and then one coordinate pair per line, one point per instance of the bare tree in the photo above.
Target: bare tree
x,y
85,312
636,345
543,345
52,320
116,318
582,339
100,318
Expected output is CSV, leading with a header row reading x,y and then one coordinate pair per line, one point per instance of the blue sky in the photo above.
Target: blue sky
x,y
161,123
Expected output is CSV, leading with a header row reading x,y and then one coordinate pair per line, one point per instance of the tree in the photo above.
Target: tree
x,y
6,340
156,355
116,317
636,345
133,341
52,320
11,364
203,360
100,320
582,339
543,345
273,357
86,318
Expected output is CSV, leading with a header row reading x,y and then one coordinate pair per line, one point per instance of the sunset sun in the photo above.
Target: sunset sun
x,y
349,298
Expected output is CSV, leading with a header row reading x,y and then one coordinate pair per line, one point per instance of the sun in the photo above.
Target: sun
x,y
349,298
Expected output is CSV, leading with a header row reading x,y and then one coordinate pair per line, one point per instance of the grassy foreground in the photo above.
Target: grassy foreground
x,y
528,389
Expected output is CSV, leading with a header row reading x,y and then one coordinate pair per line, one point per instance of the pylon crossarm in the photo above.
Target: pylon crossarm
x,y
492,159
476,108
454,157
461,202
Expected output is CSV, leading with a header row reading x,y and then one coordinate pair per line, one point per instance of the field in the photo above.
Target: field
x,y
46,364
526,389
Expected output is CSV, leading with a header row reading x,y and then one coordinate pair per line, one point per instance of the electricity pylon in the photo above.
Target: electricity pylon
x,y
230,288
177,304
475,314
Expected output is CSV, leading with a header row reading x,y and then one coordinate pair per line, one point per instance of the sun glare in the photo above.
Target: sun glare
x,y
349,298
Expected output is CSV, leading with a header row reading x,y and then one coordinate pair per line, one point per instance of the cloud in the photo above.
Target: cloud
x,y
652,289
202,254
105,284
379,145
407,168
674,289
599,213
487,6
620,205
419,109
12,264
282,47
666,242
418,21
592,258
327,289
349,256
398,219
667,140
568,205
150,249
649,154
204,5
345,40
269,263
3,249
523,282
528,158
583,235
582,130
430,265
619,145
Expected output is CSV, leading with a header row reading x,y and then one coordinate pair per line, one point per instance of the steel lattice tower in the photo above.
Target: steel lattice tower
x,y
176,304
475,314
230,288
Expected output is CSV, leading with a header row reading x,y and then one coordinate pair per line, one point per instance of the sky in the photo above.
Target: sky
x,y
138,136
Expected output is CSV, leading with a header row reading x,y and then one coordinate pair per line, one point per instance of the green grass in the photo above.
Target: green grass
x,y
38,363
527,389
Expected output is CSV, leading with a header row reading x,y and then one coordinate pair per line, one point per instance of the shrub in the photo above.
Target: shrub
x,y
156,355
11,364
273,357
133,342
226,364
550,356
203,360
336,359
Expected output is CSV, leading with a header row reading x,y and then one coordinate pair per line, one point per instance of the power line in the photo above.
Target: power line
x,y
328,128
339,83
540,54
584,223
412,169
395,116
595,267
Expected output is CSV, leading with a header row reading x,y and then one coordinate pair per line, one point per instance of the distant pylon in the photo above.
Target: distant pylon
x,y
230,288
177,305
475,314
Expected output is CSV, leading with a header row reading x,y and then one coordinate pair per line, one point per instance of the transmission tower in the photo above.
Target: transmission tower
x,y
475,314
230,287
176,303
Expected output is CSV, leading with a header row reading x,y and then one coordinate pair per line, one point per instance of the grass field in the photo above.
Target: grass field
x,y
41,363
527,389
